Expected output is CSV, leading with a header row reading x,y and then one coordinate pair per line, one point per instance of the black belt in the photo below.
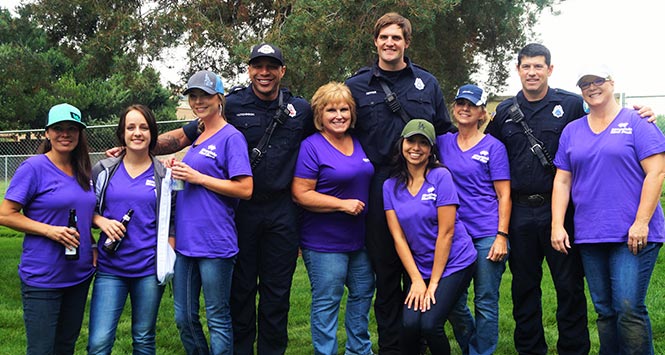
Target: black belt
x,y
533,200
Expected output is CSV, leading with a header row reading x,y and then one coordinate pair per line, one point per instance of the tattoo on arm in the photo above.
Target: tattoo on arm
x,y
166,144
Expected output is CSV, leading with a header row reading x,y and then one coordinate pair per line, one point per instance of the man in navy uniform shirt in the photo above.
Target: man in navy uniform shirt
x,y
378,128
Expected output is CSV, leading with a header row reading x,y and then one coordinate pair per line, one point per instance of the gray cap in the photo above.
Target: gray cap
x,y
206,81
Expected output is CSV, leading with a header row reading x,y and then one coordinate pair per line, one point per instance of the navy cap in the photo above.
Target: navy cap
x,y
206,81
266,50
473,93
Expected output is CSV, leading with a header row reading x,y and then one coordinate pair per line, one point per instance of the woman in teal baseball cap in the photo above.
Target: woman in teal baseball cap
x,y
53,190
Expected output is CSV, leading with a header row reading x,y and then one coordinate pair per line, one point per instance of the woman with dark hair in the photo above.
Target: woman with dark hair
x,y
54,191
216,173
421,203
127,254
331,182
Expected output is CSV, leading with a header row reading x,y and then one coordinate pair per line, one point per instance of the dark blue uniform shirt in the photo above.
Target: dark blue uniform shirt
x,y
251,116
377,127
546,118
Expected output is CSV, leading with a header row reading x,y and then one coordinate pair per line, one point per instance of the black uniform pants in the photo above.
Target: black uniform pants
x,y
388,269
530,229
268,241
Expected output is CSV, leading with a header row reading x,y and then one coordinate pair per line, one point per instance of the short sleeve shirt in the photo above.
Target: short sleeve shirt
x,y
47,194
607,177
136,255
474,172
418,217
205,224
341,176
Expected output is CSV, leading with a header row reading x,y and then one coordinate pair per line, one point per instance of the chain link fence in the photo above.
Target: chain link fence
x,y
16,146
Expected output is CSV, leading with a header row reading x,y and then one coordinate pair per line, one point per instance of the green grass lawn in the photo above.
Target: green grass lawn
x,y
12,332
168,342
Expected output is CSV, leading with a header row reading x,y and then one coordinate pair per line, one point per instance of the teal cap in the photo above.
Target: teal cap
x,y
64,112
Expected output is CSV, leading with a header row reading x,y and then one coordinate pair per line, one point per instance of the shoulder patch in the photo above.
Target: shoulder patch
x,y
419,67
235,89
361,71
564,92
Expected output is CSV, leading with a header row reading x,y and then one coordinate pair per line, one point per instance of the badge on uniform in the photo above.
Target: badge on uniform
x,y
292,110
419,84
558,111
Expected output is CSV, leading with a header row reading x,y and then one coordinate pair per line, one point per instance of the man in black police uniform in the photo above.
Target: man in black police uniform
x,y
378,128
547,111
267,223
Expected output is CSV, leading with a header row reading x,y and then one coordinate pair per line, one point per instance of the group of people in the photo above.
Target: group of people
x,y
380,192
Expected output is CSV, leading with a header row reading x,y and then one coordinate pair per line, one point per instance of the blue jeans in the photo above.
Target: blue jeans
x,y
214,276
328,273
53,317
109,294
618,282
480,337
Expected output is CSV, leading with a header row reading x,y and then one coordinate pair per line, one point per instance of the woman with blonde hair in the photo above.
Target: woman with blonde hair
x,y
216,173
611,165
480,168
331,182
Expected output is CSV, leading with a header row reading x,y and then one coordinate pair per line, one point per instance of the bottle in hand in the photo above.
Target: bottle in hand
x,y
72,253
111,245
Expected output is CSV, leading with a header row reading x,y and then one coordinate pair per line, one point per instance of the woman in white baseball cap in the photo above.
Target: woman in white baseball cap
x,y
611,164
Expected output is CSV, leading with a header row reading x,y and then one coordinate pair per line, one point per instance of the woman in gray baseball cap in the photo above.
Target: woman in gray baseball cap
x,y
217,174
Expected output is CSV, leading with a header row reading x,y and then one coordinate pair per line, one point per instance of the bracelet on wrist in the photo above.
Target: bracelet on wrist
x,y
503,234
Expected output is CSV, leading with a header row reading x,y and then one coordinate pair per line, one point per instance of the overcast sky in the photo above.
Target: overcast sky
x,y
625,35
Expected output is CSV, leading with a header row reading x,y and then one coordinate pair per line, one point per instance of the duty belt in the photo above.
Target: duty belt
x,y
532,200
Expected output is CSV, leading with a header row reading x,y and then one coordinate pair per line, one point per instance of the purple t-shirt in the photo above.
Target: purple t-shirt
x,y
418,217
474,172
607,176
47,194
204,219
136,255
337,175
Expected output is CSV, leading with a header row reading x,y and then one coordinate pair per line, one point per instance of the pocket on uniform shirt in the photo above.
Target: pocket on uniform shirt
x,y
419,105
367,111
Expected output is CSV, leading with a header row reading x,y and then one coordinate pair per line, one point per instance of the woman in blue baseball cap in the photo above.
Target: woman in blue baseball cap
x,y
53,189
479,164
217,173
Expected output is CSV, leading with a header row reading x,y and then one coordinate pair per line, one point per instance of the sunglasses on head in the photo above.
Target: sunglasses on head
x,y
597,82
464,102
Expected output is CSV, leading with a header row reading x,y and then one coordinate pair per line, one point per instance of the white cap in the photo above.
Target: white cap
x,y
599,70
